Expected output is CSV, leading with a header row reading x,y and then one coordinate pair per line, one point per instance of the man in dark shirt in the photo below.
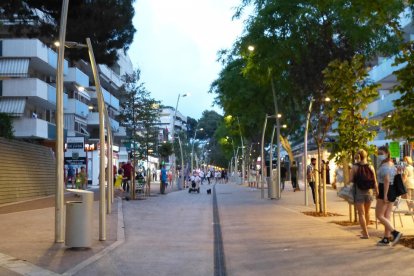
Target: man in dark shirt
x,y
128,171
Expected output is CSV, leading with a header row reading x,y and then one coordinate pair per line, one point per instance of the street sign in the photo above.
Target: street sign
x,y
75,151
395,149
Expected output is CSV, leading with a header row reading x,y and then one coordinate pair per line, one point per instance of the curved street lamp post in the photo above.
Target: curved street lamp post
x,y
172,160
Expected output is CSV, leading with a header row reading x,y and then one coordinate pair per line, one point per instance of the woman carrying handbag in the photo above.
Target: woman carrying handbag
x,y
383,209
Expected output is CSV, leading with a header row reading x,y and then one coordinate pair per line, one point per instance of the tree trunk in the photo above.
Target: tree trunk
x,y
317,177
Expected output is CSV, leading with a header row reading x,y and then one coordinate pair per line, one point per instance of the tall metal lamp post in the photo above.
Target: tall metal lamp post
x,y
59,195
182,163
173,135
263,161
305,150
103,121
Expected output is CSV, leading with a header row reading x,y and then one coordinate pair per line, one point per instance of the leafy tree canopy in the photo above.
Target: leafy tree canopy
x,y
351,92
108,23
209,121
294,41
139,113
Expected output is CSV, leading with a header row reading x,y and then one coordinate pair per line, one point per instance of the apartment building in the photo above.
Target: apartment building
x,y
28,93
167,122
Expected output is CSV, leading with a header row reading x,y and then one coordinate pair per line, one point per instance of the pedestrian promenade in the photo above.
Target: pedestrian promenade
x,y
173,235
27,236
274,237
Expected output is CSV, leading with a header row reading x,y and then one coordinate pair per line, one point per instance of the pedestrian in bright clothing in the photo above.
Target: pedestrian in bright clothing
x,y
163,182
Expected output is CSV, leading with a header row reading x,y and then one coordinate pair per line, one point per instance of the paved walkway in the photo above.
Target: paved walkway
x,y
273,237
173,234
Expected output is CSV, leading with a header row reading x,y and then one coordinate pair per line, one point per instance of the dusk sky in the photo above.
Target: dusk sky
x,y
176,47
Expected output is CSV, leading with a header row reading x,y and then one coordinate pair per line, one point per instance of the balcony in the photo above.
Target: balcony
x,y
110,76
77,76
381,106
42,58
41,92
93,119
383,73
34,128
76,107
109,99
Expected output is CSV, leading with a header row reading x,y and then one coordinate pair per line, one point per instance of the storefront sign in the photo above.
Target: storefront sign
x,y
75,153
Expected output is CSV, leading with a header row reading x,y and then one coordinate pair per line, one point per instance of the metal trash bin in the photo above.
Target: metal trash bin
x,y
79,220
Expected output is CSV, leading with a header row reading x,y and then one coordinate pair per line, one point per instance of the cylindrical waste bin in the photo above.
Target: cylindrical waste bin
x,y
79,220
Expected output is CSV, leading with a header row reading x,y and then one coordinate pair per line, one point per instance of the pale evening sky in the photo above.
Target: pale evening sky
x,y
176,48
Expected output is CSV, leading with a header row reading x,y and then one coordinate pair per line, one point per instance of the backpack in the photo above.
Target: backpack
x,y
364,177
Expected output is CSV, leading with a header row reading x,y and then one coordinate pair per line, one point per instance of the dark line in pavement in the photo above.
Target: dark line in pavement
x,y
219,258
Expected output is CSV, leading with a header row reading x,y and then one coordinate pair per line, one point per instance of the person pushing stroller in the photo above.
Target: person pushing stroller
x,y
195,181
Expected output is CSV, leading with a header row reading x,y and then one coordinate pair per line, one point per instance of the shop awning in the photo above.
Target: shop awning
x,y
12,106
14,67
84,131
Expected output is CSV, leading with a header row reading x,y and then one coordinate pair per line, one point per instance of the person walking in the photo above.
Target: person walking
x,y
338,181
364,180
170,177
154,174
208,177
311,176
71,176
128,174
408,178
383,209
294,176
163,179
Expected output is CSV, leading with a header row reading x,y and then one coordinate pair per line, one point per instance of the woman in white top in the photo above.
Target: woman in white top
x,y
408,178
385,174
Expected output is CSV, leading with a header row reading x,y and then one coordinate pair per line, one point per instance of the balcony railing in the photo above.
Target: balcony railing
x,y
110,75
76,107
93,119
109,99
31,48
381,106
34,128
77,76
30,88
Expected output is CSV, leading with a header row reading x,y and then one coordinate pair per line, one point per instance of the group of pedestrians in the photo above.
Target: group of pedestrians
x,y
368,184
380,186
77,178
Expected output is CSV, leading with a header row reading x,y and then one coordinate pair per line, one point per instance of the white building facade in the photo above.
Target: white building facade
x,y
28,94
